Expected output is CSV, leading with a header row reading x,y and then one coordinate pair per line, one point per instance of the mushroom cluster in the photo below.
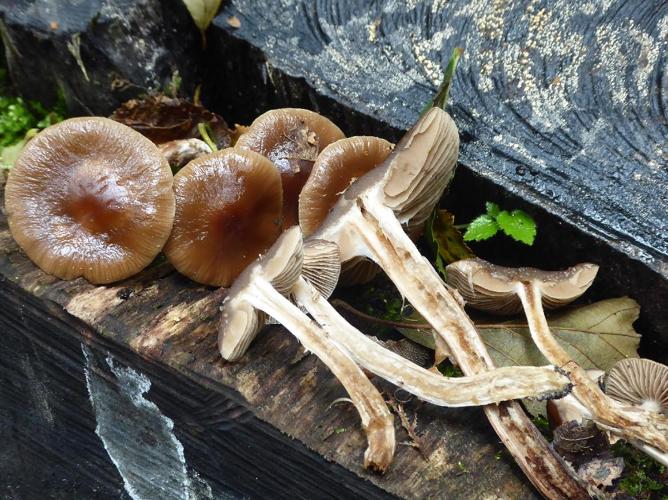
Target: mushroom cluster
x,y
283,215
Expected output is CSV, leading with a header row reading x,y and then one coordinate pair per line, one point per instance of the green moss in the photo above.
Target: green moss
x,y
643,477
19,117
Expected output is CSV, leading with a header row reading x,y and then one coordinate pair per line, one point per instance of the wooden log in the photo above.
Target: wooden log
x,y
84,367
561,109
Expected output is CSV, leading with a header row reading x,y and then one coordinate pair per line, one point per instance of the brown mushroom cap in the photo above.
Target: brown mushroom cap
x,y
90,197
292,138
228,211
489,287
640,382
337,166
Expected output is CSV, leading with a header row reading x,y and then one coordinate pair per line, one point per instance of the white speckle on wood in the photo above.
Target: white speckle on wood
x,y
138,438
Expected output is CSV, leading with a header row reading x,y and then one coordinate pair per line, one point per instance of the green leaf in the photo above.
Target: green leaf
x,y
518,225
446,239
481,228
202,11
492,209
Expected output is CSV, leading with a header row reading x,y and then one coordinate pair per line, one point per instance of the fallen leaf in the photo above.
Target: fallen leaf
x,y
595,336
580,443
202,11
163,119
446,240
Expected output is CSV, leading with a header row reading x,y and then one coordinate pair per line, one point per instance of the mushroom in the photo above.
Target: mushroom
x,y
228,211
491,288
481,282
90,197
180,152
484,388
261,289
336,168
367,222
292,139
639,382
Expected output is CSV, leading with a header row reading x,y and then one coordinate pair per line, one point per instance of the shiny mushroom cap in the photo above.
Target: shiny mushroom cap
x,y
292,138
240,321
228,211
337,167
488,287
640,382
90,197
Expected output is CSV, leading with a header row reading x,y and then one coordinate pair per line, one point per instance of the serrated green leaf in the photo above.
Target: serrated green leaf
x,y
446,239
481,228
202,11
492,209
518,225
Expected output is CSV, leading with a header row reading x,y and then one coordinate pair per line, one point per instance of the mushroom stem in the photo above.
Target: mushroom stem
x,y
634,424
485,388
383,240
377,421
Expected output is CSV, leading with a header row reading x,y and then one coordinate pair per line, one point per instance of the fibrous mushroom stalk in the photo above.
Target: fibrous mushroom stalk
x,y
263,286
632,423
488,387
367,222
377,421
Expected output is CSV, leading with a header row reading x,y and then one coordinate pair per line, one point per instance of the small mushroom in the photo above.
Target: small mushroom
x,y
90,197
369,221
491,288
180,152
228,211
488,387
292,138
475,277
639,382
261,289
336,168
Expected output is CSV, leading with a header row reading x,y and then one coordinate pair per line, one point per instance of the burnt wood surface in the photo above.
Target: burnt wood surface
x,y
259,427
561,105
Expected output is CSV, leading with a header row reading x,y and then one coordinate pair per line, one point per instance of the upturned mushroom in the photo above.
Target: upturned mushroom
x,y
90,197
260,290
228,211
320,270
480,282
292,139
639,382
369,221
319,273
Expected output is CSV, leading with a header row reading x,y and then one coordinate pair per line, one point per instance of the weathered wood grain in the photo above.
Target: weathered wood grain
x,y
162,325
